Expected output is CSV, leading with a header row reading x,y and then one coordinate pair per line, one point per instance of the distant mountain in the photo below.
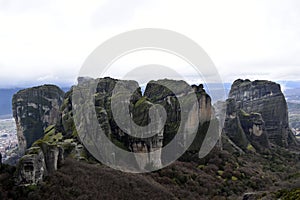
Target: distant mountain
x,y
290,84
65,89
6,101
293,95
293,99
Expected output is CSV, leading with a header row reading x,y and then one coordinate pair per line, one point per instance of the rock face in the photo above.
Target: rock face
x,y
256,119
45,122
31,167
35,109
155,94
257,114
244,129
43,158
39,162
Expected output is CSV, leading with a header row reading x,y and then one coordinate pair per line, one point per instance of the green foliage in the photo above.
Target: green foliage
x,y
220,172
49,128
50,138
288,194
244,113
250,148
33,150
201,167
140,101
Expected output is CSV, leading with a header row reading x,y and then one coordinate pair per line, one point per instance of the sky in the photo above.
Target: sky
x,y
48,41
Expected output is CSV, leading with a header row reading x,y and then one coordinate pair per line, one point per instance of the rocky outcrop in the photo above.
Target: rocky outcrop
x,y
38,162
34,109
31,167
246,130
248,121
37,108
257,114
156,93
46,155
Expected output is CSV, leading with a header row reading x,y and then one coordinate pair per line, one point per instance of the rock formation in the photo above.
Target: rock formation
x,y
38,162
34,109
256,118
31,167
61,137
45,156
155,94
257,115
244,129
248,129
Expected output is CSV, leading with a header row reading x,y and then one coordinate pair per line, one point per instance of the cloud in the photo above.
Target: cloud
x,y
254,38
116,13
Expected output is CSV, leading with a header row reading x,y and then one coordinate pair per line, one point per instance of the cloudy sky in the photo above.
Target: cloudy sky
x,y
48,41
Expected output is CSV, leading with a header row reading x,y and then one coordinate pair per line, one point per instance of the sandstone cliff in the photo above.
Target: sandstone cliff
x,y
34,109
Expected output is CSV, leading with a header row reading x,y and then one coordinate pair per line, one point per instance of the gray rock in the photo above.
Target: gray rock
x,y
246,130
34,109
38,162
0,160
31,167
139,106
266,99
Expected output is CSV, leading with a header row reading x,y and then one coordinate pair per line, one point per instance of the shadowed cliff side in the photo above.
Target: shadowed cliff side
x,y
257,115
34,109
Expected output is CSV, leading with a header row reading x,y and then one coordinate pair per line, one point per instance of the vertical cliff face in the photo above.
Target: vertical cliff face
x,y
263,111
34,109
246,130
157,93
139,105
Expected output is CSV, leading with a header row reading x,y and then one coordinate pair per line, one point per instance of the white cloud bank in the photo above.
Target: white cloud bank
x,y
48,41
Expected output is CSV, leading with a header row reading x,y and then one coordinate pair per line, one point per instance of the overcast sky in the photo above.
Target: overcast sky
x,y
48,41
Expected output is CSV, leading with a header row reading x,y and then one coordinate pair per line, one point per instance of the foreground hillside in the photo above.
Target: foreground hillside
x,y
218,176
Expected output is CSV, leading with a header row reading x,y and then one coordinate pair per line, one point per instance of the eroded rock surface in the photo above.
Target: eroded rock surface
x,y
156,93
34,109
246,130
32,167
259,111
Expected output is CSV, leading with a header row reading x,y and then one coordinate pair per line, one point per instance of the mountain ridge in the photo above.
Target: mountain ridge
x,y
231,169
